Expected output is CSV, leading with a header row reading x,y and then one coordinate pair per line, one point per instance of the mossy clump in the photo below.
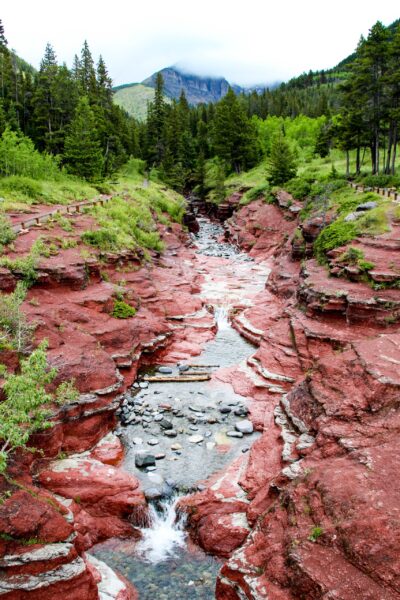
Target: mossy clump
x,y
122,310
336,234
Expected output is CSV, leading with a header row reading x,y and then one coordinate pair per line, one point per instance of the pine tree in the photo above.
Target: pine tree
x,y
3,41
82,153
281,161
156,121
44,106
234,138
87,74
392,81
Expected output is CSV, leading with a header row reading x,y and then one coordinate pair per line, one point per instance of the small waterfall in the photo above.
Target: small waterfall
x,y
221,315
165,533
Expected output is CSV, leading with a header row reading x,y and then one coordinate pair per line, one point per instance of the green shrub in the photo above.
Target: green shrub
x,y
18,184
63,222
352,255
336,234
298,187
380,181
316,532
365,265
7,234
25,268
18,156
122,310
104,239
103,188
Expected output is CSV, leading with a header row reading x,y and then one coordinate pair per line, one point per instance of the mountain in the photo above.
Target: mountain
x,y
133,97
197,89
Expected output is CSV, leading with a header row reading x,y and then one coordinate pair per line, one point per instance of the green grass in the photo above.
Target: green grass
x,y
130,219
134,99
18,192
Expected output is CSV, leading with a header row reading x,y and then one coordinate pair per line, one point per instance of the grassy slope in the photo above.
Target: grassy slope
x,y
128,221
326,195
134,99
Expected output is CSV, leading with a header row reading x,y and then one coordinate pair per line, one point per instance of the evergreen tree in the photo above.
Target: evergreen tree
x,y
156,120
44,105
234,138
392,81
82,153
87,74
281,161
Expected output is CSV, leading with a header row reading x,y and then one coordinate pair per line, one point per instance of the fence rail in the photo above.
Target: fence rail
x,y
385,192
67,210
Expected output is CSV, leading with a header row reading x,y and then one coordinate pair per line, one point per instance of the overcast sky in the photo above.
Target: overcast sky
x,y
247,41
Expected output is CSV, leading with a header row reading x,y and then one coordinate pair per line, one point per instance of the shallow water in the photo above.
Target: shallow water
x,y
163,565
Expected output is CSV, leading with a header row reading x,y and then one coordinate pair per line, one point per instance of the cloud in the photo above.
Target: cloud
x,y
247,42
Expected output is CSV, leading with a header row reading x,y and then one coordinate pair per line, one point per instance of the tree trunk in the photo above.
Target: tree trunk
x,y
389,150
358,160
394,149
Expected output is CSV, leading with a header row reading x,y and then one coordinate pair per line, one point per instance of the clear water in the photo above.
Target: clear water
x,y
165,535
164,564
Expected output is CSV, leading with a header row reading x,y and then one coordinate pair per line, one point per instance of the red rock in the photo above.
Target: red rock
x,y
108,451
31,514
100,489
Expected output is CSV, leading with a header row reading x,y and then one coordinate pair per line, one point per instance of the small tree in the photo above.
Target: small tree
x,y
26,407
15,331
281,161
82,152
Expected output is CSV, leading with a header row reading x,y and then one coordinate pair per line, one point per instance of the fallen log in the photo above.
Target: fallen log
x,y
177,378
203,366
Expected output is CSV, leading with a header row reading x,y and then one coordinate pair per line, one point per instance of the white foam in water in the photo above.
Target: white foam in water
x,y
221,314
165,534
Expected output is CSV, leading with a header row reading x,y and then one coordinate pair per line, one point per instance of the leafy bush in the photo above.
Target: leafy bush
x,y
7,234
19,157
381,181
336,234
26,407
15,332
26,267
298,187
122,310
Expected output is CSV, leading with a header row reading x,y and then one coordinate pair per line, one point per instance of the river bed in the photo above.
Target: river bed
x,y
191,428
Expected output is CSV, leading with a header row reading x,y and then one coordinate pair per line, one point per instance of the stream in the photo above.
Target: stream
x,y
191,430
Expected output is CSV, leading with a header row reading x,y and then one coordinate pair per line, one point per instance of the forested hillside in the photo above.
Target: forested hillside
x,y
69,114
60,108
